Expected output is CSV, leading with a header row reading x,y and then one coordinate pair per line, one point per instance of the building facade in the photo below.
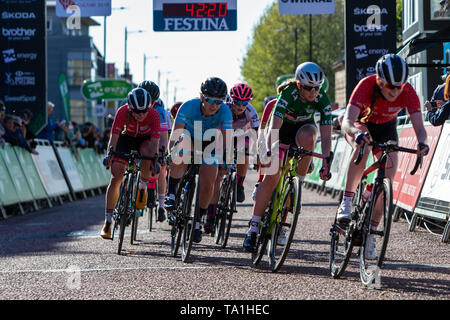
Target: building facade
x,y
71,51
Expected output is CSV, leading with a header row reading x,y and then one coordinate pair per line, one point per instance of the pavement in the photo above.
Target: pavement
x,y
58,254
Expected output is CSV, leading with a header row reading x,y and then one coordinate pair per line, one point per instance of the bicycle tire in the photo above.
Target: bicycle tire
x,y
231,210
123,213
176,231
343,237
135,218
369,272
225,211
190,219
339,258
262,237
119,208
278,253
151,208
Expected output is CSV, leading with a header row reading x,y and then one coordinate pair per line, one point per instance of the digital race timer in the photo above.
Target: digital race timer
x,y
195,10
194,15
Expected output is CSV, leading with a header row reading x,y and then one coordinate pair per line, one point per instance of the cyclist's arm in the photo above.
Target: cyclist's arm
x,y
113,141
275,123
351,115
325,140
177,130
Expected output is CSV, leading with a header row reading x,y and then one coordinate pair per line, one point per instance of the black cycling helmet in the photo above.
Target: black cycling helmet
x,y
139,100
392,69
214,87
151,88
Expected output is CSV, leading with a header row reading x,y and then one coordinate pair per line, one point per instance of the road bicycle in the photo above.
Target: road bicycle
x,y
364,218
183,218
284,208
125,210
226,206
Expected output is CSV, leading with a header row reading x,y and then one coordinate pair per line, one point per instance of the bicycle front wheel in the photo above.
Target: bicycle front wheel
x,y
286,221
191,217
376,229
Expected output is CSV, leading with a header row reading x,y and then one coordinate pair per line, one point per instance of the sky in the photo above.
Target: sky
x,y
186,59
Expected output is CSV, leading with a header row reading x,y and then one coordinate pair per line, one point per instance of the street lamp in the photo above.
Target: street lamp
x,y
125,64
145,63
104,40
295,31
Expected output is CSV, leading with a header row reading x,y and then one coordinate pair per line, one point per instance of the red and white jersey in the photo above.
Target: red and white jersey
x,y
383,110
150,126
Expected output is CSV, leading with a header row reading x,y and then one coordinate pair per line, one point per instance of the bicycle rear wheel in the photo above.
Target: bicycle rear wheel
x,y
191,217
225,210
341,247
342,238
151,207
263,237
370,264
286,222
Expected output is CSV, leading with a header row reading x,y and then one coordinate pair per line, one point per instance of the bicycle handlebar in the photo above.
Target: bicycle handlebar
x,y
390,147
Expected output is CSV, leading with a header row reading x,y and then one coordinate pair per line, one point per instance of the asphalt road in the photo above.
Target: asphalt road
x,y
58,254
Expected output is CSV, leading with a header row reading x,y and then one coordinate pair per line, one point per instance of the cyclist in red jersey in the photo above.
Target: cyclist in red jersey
x,y
136,126
372,115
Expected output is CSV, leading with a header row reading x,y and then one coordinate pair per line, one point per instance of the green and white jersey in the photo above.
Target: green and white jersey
x,y
294,110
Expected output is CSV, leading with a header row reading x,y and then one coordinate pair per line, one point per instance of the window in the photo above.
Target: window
x,y
440,10
78,67
410,13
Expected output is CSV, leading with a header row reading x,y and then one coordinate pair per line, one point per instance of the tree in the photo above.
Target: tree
x,y
272,51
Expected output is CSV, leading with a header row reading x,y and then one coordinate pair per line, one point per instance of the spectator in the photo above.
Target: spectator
x,y
88,134
27,133
439,106
48,132
13,133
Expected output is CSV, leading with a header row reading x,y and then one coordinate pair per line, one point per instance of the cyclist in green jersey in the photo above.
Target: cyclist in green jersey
x,y
293,119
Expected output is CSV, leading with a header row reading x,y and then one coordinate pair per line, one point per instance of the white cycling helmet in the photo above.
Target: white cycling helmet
x,y
310,74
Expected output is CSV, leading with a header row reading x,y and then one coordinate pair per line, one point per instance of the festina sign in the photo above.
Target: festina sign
x,y
306,6
194,15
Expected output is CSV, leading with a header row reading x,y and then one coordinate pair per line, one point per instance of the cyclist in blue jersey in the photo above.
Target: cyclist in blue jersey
x,y
153,89
163,143
191,131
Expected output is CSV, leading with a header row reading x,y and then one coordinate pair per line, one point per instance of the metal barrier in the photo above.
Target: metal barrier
x,y
55,173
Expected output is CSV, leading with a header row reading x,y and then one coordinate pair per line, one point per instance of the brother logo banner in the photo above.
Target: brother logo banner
x,y
370,32
306,6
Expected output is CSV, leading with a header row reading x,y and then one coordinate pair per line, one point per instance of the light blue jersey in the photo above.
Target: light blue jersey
x,y
190,115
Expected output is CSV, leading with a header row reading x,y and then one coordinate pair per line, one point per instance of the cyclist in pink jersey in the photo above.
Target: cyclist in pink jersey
x,y
372,115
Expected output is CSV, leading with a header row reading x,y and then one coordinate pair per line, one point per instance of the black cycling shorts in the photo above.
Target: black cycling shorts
x,y
288,132
383,132
127,143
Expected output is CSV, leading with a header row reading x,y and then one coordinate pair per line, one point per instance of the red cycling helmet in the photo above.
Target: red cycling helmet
x,y
174,109
241,91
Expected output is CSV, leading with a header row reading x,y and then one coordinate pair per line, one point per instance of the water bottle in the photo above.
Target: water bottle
x,y
366,194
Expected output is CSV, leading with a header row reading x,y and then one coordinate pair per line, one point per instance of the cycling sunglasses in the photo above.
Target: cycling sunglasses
x,y
390,86
213,101
240,103
309,88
